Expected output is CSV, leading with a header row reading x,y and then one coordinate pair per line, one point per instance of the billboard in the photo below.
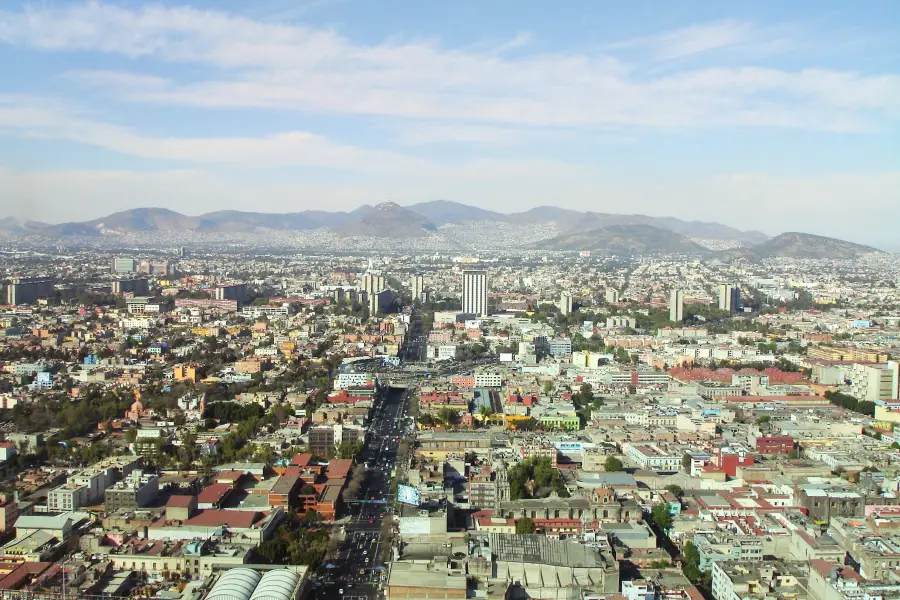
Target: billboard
x,y
407,494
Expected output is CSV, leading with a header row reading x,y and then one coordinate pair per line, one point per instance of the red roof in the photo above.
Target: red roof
x,y
214,493
230,518
339,468
301,460
180,501
776,376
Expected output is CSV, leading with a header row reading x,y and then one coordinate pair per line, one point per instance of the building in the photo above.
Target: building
x,y
475,293
652,458
487,489
874,382
774,445
135,491
321,440
416,286
231,291
676,306
611,295
729,297
25,290
124,265
560,347
725,546
565,303
487,379
767,579
381,301
139,287
371,283
67,497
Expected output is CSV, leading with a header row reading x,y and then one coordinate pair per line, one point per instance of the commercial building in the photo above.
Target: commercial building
x,y
611,295
140,287
321,440
25,290
651,458
487,489
123,265
676,306
729,297
475,293
69,496
560,346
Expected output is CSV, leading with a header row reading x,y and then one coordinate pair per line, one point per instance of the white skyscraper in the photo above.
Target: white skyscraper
x,y
565,303
475,293
676,306
612,295
417,286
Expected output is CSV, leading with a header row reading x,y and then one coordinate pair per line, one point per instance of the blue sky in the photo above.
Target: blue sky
x,y
767,115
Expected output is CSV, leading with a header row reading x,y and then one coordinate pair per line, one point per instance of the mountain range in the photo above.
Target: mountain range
x,y
611,233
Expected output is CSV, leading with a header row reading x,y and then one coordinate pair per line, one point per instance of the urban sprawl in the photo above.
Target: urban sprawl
x,y
201,423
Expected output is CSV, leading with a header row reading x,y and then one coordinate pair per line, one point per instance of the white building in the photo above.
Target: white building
x,y
565,303
872,382
67,497
475,293
676,306
488,379
652,458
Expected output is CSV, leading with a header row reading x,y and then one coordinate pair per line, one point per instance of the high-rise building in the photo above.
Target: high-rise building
x,y
25,290
380,302
612,295
676,306
232,291
182,252
138,287
371,283
123,265
729,297
475,293
417,285
565,303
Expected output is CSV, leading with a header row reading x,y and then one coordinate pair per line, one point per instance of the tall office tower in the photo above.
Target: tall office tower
x,y
676,306
371,283
124,265
25,290
729,297
182,252
565,303
380,302
475,293
612,295
417,285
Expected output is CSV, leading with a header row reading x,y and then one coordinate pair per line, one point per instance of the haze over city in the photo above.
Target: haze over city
x,y
767,116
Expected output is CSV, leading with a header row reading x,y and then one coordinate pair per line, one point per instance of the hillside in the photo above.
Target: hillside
x,y
388,219
443,212
805,245
625,239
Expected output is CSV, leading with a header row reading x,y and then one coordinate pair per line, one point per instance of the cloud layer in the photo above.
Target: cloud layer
x,y
503,109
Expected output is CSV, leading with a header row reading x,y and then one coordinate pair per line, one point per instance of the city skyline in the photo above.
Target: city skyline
x,y
767,117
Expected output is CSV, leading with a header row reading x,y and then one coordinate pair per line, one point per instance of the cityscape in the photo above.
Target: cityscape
x,y
463,301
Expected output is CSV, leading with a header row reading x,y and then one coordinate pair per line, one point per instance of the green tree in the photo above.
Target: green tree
x,y
690,562
661,516
524,525
612,465
131,435
675,489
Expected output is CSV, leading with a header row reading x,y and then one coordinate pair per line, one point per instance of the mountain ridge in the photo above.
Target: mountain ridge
x,y
420,219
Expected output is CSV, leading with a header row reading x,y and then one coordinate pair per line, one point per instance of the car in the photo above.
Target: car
x,y
341,591
365,552
371,521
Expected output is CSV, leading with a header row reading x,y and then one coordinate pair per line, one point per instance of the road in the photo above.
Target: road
x,y
359,571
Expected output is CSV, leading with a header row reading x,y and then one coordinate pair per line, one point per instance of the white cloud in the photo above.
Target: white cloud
x,y
264,65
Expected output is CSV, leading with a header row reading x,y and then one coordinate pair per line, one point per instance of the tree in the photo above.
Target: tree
x,y
612,465
661,516
131,435
762,420
690,562
675,489
525,525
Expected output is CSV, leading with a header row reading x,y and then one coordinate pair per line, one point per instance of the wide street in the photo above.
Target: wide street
x,y
359,572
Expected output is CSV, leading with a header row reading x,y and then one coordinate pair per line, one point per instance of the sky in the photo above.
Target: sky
x,y
768,115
